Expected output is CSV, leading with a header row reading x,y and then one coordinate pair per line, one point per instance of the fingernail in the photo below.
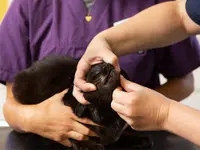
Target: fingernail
x,y
85,102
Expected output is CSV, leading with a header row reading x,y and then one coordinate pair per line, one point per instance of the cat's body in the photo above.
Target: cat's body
x,y
56,73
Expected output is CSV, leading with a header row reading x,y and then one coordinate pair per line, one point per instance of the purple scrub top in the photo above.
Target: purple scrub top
x,y
33,29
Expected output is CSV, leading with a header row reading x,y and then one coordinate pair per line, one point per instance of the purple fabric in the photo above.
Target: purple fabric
x,y
33,29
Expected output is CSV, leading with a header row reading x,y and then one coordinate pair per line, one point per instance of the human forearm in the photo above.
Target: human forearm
x,y
178,88
158,26
15,113
184,121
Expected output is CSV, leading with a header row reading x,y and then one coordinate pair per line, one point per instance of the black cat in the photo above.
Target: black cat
x,y
53,74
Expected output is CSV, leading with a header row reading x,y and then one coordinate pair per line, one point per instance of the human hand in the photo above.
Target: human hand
x,y
97,52
142,108
55,121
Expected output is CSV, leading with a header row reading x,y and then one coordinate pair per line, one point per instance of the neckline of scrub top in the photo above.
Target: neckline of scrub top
x,y
80,11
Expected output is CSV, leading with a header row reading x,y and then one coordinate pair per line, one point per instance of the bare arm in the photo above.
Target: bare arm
x,y
160,112
15,113
178,88
157,26
184,121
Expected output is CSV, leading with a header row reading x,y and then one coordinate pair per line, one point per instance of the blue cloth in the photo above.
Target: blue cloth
x,y
193,10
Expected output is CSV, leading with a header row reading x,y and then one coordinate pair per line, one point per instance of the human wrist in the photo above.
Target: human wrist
x,y
104,36
26,115
167,121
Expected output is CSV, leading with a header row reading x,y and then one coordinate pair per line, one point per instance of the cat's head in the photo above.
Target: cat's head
x,y
106,79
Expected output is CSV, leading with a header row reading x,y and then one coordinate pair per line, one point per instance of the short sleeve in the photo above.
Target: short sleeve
x,y
193,10
179,59
14,41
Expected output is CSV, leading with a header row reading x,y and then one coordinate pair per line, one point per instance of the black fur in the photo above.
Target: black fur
x,y
53,74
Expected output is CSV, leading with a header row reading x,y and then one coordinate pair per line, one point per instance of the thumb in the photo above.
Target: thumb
x,y
128,85
64,92
111,58
61,94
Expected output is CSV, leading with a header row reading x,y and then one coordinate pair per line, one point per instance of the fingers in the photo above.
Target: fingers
x,y
87,121
73,135
79,80
119,102
76,136
120,96
80,84
83,85
63,93
124,103
136,123
66,142
124,98
119,108
79,96
128,85
78,127
109,57
127,119
59,96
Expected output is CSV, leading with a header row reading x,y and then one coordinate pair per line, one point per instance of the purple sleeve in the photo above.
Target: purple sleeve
x,y
14,41
180,59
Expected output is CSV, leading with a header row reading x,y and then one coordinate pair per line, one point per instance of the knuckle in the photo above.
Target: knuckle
x,y
114,59
129,113
130,101
114,95
66,129
75,81
69,126
136,127
113,105
135,99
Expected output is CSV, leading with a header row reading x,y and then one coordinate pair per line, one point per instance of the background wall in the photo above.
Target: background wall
x,y
3,7
193,100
